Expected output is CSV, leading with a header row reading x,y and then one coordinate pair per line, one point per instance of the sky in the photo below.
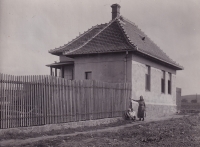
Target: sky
x,y
30,28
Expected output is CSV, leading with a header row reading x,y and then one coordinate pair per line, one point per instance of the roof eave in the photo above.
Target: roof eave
x,y
177,67
74,55
57,64
55,53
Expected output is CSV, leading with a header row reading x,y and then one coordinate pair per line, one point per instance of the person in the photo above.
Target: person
x,y
130,114
141,108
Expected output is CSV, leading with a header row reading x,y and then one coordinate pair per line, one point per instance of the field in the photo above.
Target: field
x,y
180,132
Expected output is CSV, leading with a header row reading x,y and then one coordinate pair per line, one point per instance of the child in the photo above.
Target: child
x,y
130,114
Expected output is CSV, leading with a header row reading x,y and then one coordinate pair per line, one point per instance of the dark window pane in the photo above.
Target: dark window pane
x,y
147,82
169,87
169,83
148,78
88,75
163,85
163,82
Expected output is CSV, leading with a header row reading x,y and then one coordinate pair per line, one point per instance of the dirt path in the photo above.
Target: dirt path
x,y
16,142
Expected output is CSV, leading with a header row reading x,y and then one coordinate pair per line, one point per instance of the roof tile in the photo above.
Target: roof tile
x,y
118,35
80,40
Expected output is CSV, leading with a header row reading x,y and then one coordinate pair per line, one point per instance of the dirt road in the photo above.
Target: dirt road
x,y
138,132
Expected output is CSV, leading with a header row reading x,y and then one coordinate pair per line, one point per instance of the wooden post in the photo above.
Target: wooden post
x,y
62,71
55,72
31,100
51,71
65,101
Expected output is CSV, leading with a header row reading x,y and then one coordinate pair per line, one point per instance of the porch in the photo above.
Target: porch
x,y
62,69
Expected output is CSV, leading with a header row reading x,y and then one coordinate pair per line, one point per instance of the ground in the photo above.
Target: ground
x,y
177,130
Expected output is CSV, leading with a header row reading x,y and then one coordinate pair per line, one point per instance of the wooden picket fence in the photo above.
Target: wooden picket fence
x,y
40,100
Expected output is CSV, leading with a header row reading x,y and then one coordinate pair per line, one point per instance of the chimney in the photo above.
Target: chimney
x,y
115,10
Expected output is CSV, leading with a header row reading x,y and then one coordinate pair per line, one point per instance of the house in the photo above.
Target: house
x,y
117,52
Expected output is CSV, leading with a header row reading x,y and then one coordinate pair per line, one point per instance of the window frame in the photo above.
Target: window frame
x,y
86,75
169,83
163,82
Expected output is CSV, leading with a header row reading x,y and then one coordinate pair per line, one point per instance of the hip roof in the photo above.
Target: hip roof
x,y
118,35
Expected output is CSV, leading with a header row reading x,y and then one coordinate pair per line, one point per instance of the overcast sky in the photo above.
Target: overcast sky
x,y
30,28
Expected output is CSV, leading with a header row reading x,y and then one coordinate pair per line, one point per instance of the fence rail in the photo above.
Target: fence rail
x,y
39,100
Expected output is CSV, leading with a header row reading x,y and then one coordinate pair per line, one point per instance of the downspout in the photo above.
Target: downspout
x,y
125,67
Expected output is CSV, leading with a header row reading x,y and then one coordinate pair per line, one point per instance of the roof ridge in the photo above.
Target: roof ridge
x,y
125,33
134,25
77,37
65,52
142,32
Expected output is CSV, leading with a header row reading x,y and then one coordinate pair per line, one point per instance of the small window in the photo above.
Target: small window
x,y
163,82
88,75
169,83
148,78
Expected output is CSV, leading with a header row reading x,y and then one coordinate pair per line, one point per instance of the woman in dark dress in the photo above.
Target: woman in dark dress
x,y
141,108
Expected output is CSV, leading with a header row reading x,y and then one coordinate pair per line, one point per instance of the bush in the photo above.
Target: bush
x,y
193,101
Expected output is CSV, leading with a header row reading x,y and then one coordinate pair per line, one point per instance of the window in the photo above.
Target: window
x,y
88,75
147,81
169,83
163,82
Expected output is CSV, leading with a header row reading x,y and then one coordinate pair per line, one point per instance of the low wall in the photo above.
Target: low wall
x,y
156,110
153,110
51,127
